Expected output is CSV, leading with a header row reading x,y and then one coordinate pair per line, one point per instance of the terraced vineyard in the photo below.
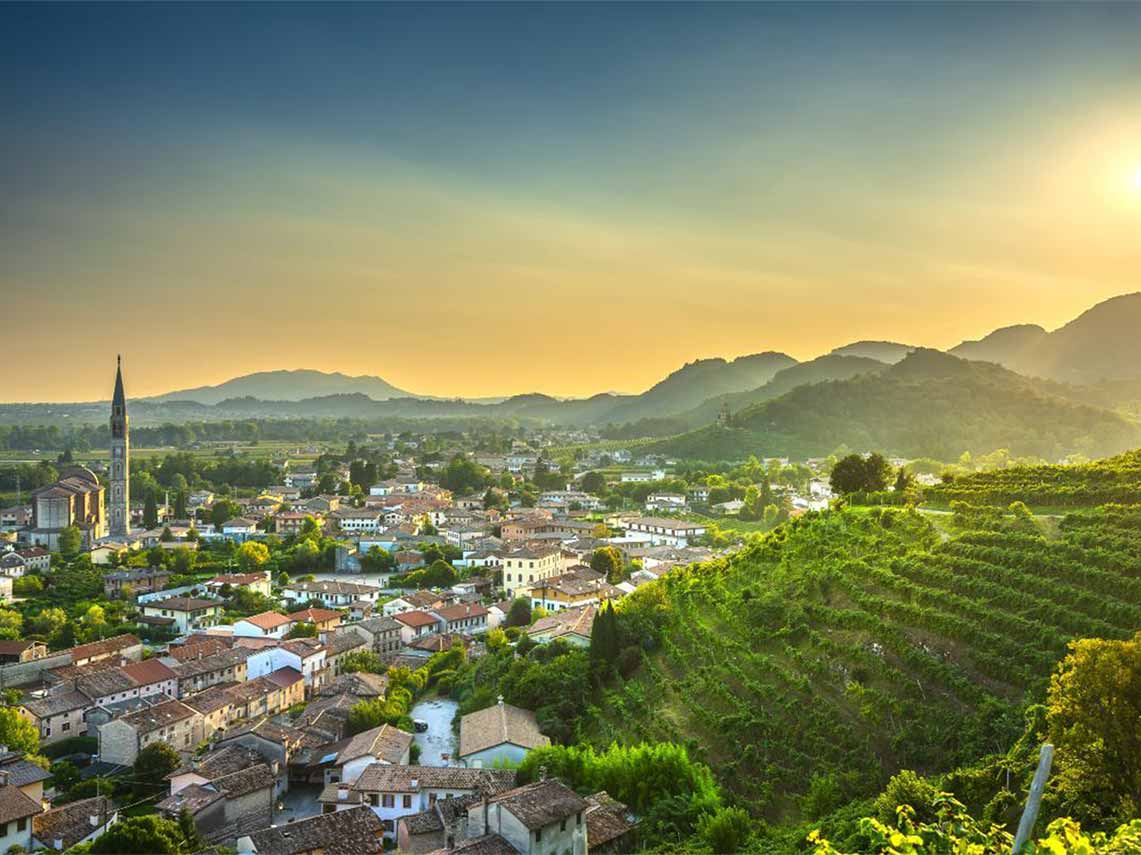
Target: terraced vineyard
x,y
859,643
1112,480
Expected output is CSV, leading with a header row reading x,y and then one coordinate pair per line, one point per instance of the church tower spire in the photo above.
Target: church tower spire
x,y
120,479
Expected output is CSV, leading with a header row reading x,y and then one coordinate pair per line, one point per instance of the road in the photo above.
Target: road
x,y
439,739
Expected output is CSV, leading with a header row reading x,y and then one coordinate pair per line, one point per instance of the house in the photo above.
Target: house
x,y
408,559
331,594
16,769
271,694
226,806
325,620
12,566
416,601
172,722
381,633
257,582
464,618
239,529
210,669
609,824
36,559
569,625
384,744
542,817
437,829
188,613
578,587
125,646
357,831
498,735
353,520
522,568
17,811
665,502
263,625
497,614
22,651
148,678
667,532
277,744
74,823
397,791
305,655
339,645
145,581
57,716
292,522
413,625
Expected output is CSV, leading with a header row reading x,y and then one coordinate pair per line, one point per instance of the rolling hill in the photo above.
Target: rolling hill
x,y
928,405
829,367
853,643
287,386
890,352
693,383
1101,344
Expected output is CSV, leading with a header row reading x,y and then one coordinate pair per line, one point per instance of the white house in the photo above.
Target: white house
x,y
264,625
417,624
498,735
666,532
331,595
539,818
188,613
385,744
305,655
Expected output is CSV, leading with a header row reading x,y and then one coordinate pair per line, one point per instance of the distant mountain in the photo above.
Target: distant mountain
x,y
287,386
829,367
1102,344
693,383
930,404
890,352
1004,346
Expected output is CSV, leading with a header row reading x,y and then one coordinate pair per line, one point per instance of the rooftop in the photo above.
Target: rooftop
x,y
498,724
539,804
355,831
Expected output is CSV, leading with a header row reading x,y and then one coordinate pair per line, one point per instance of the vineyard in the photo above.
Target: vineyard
x,y
1114,480
857,643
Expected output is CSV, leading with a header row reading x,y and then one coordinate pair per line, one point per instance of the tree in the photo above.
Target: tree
x,y
47,621
302,630
594,482
1093,707
65,775
855,473
18,733
11,624
604,639
520,613
363,660
141,835
224,510
608,560
727,830
440,573
150,510
152,765
70,542
252,555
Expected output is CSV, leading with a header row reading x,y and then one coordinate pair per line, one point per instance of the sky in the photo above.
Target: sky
x,y
485,199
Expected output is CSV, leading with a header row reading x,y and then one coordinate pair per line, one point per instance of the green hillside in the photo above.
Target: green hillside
x,y
1114,480
830,367
858,643
928,405
693,383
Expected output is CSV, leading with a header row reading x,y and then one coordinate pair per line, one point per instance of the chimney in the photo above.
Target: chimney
x,y
57,843
3,779
542,773
501,700
94,820
342,791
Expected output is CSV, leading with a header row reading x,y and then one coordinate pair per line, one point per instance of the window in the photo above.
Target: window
x,y
563,825
407,801
66,725
387,800
538,835
373,799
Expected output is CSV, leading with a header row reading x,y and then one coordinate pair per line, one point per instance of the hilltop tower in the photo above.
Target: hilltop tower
x,y
119,500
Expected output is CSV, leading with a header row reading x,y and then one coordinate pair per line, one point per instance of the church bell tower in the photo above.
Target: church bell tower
x,y
120,480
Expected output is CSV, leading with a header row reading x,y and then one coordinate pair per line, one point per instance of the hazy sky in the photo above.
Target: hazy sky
x,y
482,199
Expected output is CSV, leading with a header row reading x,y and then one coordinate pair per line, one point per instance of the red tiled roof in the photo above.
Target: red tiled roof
x,y
416,619
268,620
